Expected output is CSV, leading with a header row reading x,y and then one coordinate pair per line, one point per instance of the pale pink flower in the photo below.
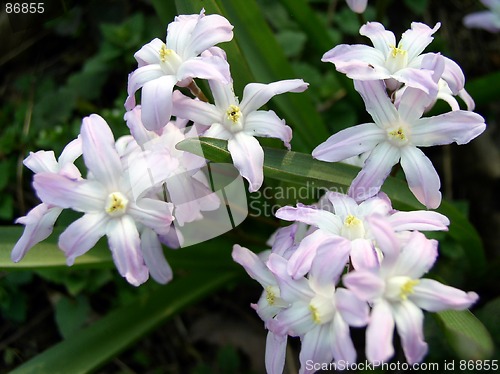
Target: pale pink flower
x,y
176,62
394,137
239,123
398,293
357,6
486,19
131,225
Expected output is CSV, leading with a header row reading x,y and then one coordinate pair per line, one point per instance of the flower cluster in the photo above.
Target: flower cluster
x,y
352,260
139,184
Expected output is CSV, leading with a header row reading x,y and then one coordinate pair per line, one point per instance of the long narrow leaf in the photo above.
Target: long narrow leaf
x,y
92,347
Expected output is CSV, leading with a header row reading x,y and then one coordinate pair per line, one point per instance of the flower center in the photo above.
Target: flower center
x,y
400,287
353,228
270,295
322,309
398,136
233,113
116,204
170,60
397,59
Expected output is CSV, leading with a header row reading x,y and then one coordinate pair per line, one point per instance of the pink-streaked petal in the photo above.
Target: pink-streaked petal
x,y
349,142
413,103
195,110
99,152
149,53
322,219
376,169
125,245
409,323
358,61
248,158
82,235
212,67
421,220
363,255
275,353
343,205
365,284
138,78
415,40
381,38
42,161
137,129
154,258
39,223
283,239
223,94
156,101
295,320
459,126
379,204
377,103
82,196
486,20
179,32
379,333
342,345
290,289
417,257
330,261
422,178
267,124
433,296
467,99
253,265
490,3
385,237
453,75
353,310
357,6
154,214
316,347
208,31
256,95
420,79
184,199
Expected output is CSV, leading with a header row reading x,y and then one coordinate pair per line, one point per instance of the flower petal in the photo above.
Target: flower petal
x,y
156,102
459,126
453,75
316,347
207,32
39,224
353,310
138,78
409,322
256,95
422,220
381,38
365,284
210,67
253,265
417,257
376,169
275,353
99,152
267,124
420,79
330,261
415,40
124,243
433,296
291,289
195,110
137,129
322,219
349,142
42,161
152,213
342,345
483,20
57,190
149,53
377,103
379,333
154,257
248,158
357,6
363,255
422,178
82,235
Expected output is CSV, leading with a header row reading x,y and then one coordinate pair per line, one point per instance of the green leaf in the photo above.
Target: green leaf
x,y
71,314
93,346
466,334
301,168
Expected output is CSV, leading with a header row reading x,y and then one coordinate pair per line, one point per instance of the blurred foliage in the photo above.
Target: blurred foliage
x,y
76,62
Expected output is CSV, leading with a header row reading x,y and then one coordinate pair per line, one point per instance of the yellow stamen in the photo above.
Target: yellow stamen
x,y
395,51
315,314
351,220
164,53
407,288
116,204
233,113
399,133
270,296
